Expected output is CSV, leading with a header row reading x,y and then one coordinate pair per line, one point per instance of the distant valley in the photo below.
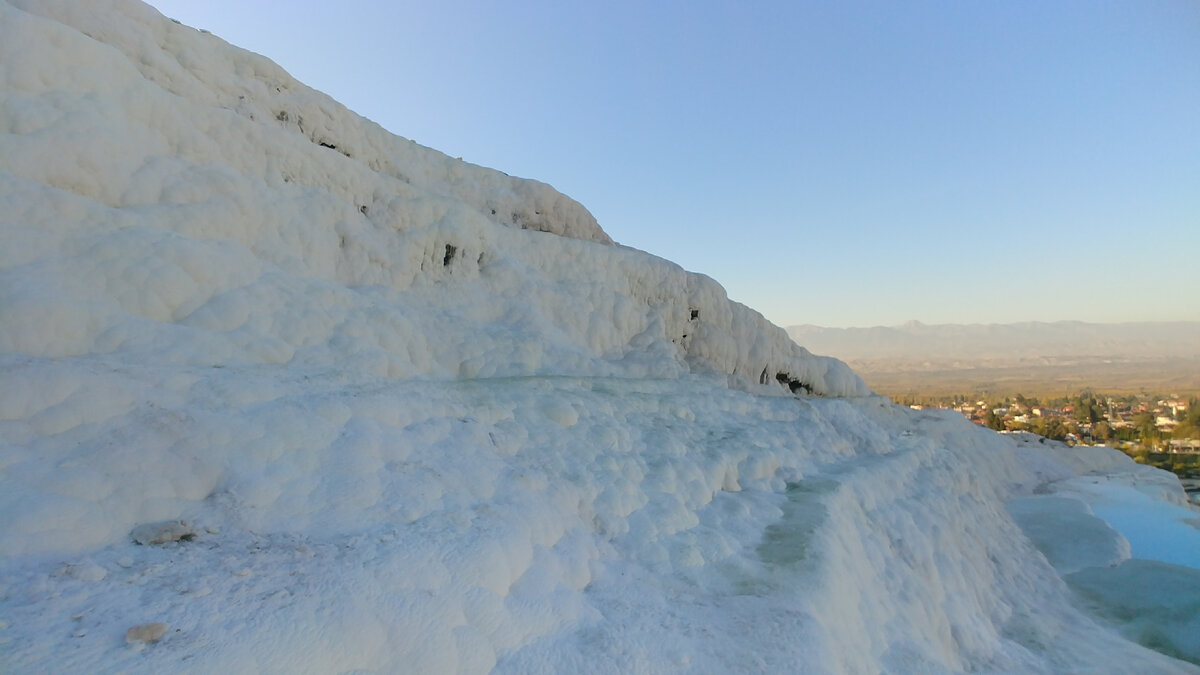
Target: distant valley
x,y
1028,358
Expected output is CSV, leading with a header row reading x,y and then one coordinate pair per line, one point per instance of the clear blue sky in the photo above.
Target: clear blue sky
x,y
835,163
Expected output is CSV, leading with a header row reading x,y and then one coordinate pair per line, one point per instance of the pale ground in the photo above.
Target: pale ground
x,y
418,415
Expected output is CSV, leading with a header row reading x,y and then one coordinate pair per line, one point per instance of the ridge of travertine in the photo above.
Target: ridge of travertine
x,y
253,195
279,392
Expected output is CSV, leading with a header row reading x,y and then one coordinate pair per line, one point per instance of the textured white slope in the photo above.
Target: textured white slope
x,y
179,97
166,193
602,525
420,416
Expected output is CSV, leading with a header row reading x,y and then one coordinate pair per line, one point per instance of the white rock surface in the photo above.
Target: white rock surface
x,y
86,570
433,420
146,633
164,532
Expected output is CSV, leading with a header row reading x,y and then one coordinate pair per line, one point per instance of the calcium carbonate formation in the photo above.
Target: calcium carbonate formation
x,y
283,392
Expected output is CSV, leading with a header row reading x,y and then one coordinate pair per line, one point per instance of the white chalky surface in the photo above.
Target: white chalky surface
x,y
420,416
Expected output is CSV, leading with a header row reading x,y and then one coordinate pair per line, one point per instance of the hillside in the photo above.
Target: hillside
x,y
283,392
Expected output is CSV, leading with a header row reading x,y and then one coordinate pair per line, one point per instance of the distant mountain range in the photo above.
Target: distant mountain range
x,y
916,356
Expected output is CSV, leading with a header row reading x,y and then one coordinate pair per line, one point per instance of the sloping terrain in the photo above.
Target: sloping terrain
x,y
284,393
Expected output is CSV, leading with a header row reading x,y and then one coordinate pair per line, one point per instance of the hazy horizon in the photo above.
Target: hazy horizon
x,y
1022,357
918,322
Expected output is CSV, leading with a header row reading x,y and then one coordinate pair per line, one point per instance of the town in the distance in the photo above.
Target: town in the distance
x,y
1161,430
1132,386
